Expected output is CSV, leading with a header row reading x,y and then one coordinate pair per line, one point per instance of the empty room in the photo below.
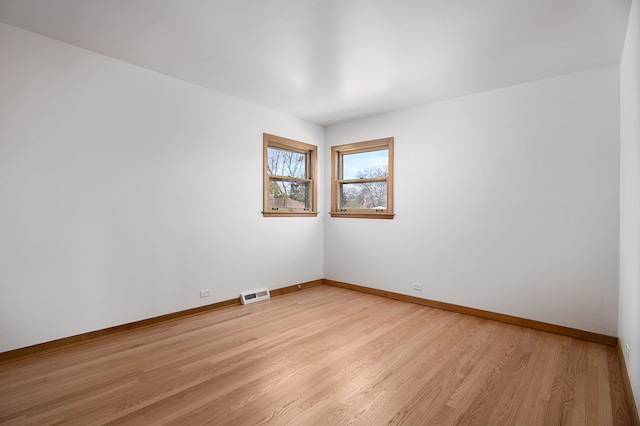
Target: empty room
x,y
316,212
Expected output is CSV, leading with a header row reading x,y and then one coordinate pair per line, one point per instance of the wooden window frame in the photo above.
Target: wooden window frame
x,y
312,166
336,179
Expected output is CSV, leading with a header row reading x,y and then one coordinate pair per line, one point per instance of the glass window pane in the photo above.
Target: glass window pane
x,y
288,194
366,195
365,164
282,162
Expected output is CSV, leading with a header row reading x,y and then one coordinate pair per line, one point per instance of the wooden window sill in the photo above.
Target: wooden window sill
x,y
289,214
361,215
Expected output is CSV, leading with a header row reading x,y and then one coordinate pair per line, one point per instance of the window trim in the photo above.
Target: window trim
x,y
336,171
312,166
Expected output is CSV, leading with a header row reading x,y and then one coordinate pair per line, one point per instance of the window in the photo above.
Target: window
x,y
362,179
290,169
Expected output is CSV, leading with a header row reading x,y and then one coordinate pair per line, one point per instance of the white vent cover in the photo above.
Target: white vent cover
x,y
254,296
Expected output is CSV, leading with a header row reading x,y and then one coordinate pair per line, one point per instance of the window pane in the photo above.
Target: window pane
x,y
365,164
366,195
288,194
286,163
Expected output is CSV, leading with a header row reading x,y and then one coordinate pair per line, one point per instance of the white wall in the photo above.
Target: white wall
x,y
629,329
124,192
506,201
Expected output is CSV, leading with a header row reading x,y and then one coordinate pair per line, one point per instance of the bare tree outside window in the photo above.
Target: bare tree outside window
x,y
287,193
363,179
289,177
287,163
367,195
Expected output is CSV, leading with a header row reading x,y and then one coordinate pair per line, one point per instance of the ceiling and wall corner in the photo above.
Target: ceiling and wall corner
x,y
330,61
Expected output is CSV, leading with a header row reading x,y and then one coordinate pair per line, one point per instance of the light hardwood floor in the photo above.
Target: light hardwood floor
x,y
323,355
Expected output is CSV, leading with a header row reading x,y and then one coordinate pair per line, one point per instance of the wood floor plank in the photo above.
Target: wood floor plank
x,y
324,355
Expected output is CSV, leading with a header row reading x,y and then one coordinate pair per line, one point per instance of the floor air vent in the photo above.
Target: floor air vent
x,y
254,296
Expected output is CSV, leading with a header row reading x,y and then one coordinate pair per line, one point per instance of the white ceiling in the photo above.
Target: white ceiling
x,y
329,61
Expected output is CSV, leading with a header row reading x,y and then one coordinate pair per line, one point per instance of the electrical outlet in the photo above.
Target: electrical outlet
x,y
417,286
627,349
205,293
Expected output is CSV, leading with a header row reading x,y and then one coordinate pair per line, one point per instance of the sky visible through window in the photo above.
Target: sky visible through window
x,y
353,164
